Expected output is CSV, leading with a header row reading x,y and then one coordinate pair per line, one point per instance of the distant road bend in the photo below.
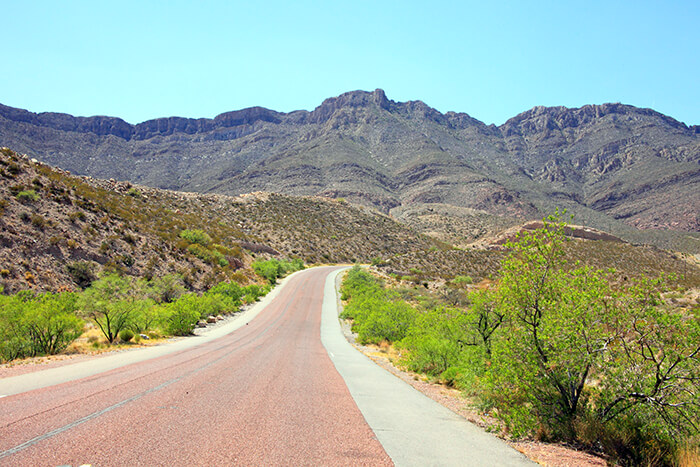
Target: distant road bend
x,y
269,393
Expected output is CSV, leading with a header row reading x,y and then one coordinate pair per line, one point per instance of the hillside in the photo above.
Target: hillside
x,y
617,167
58,229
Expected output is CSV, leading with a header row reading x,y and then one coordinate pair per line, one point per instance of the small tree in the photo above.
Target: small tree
x,y
111,302
51,322
484,317
574,347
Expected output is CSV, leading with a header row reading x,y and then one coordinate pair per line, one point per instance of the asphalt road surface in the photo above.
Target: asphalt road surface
x,y
266,394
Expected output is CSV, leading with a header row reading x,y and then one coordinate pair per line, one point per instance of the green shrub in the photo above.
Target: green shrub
x,y
274,269
43,324
27,196
125,335
179,317
435,341
376,314
166,289
196,236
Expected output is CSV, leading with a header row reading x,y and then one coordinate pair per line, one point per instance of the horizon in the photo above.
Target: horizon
x,y
331,97
139,61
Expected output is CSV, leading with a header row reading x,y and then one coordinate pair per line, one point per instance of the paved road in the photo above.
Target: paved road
x,y
266,394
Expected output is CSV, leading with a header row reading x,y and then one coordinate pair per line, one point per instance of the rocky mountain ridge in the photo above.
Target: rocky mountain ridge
x,y
617,167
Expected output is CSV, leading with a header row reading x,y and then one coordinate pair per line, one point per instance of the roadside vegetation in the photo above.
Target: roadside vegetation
x,y
554,349
123,308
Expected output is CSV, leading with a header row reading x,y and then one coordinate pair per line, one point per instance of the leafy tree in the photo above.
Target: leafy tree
x,y
484,317
51,322
112,302
574,348
14,340
166,289
33,325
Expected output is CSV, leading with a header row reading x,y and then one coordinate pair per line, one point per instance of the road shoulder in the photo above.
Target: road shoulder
x,y
414,429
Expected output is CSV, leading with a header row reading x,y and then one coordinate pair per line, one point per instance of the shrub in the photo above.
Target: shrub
x,y
167,289
273,269
231,290
201,252
27,196
435,341
38,221
196,236
77,215
37,324
125,335
14,168
376,315
179,317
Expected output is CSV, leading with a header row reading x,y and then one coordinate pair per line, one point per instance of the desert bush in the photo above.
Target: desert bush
x,y
274,269
27,196
252,292
125,335
38,221
77,215
179,317
196,236
42,324
377,314
166,289
435,341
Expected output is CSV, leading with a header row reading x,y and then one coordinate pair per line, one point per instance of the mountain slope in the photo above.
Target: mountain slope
x,y
56,229
616,167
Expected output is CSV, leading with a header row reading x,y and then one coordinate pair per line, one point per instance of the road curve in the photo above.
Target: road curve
x,y
267,394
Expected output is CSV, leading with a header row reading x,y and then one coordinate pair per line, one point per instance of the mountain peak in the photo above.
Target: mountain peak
x,y
565,117
349,99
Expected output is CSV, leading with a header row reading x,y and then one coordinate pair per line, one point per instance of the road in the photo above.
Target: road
x,y
267,394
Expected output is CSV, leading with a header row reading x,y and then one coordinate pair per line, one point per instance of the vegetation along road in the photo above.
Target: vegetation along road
x,y
268,393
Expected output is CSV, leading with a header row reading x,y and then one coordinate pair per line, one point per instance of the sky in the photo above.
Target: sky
x,y
143,59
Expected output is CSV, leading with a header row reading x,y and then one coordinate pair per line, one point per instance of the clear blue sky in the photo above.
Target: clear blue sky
x,y
145,59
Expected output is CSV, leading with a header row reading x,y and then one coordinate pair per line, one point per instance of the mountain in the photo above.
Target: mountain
x,y
617,167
